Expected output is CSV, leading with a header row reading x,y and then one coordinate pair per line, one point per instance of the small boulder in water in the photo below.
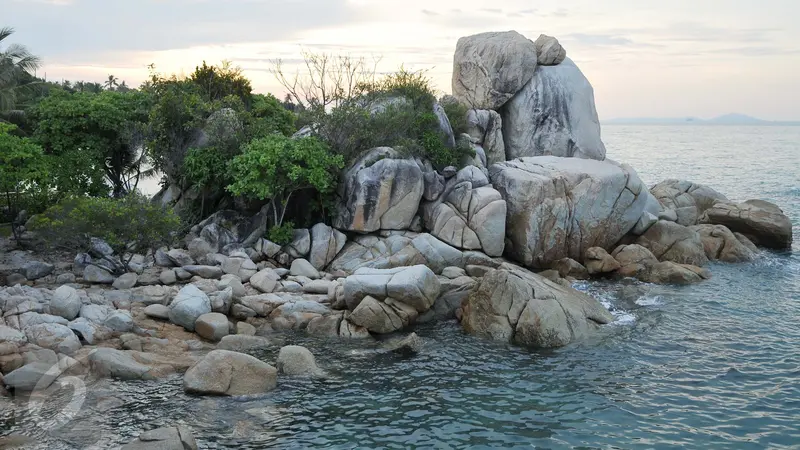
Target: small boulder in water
x,y
409,345
297,360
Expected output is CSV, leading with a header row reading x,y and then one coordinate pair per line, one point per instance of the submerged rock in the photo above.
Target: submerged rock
x,y
762,222
223,372
167,438
512,304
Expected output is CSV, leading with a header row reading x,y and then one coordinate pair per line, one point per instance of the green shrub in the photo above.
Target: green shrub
x,y
282,234
274,167
457,114
129,225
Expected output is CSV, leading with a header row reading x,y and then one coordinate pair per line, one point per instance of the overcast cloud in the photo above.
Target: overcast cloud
x,y
644,58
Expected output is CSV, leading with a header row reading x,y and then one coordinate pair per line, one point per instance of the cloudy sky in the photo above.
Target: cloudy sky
x,y
644,57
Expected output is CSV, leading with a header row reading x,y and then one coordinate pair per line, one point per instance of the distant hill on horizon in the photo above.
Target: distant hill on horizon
x,y
727,119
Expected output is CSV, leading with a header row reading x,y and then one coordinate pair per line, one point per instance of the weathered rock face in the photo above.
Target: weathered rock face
x,y
326,243
638,262
560,207
555,115
721,244
97,275
670,241
688,200
762,222
387,300
489,68
514,305
549,51
486,127
380,191
223,372
53,336
469,214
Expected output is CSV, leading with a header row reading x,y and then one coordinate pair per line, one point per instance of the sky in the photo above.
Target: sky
x,y
644,58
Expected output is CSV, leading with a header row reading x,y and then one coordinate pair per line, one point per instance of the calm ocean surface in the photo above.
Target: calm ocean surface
x,y
715,365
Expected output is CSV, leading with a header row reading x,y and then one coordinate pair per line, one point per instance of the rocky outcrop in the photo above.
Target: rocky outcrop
x,y
549,51
469,214
688,200
599,262
669,241
560,207
490,68
638,262
764,223
222,372
135,365
512,304
721,244
555,115
485,127
380,191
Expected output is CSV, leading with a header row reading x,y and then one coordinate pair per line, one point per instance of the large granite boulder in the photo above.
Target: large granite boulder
x,y
688,200
555,115
549,50
222,372
188,306
380,191
387,300
764,223
721,244
326,243
490,68
469,214
560,207
512,304
485,127
670,241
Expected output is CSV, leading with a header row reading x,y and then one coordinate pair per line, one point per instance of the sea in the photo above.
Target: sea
x,y
713,365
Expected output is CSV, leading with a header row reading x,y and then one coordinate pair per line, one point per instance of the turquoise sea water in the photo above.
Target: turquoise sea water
x,y
715,365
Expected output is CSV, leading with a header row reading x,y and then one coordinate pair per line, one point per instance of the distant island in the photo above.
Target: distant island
x,y
727,119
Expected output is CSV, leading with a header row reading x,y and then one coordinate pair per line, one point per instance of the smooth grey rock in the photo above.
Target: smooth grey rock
x,y
490,68
303,268
188,305
65,278
125,281
383,317
514,305
238,264
380,191
318,287
180,257
453,272
326,243
245,329
409,345
720,244
222,372
97,275
670,241
162,259
8,334
265,281
549,51
157,312
207,272
54,336
168,277
198,249
119,321
66,303
33,270
560,207
294,360
96,313
34,376
212,326
89,332
232,281
486,127
14,279
555,115
244,343
31,318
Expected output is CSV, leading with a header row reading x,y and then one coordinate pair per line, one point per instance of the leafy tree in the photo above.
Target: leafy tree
x,y
97,138
218,82
15,61
129,225
275,167
22,169
268,116
206,168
